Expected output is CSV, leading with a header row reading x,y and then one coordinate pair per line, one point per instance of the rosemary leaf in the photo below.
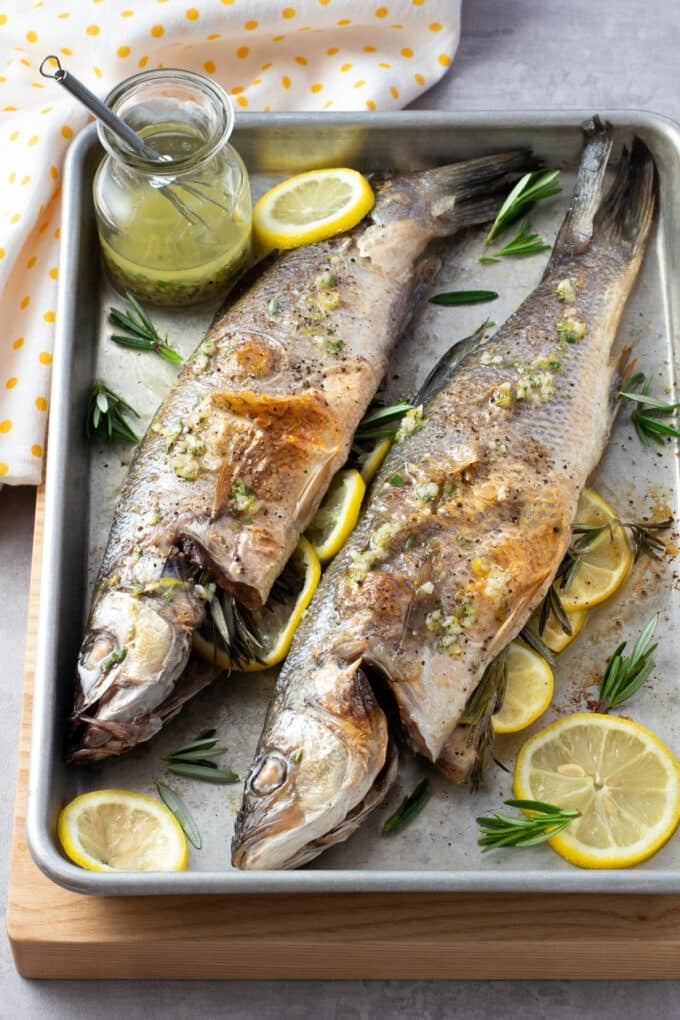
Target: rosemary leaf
x,y
536,642
378,421
197,755
410,806
546,820
192,770
523,243
623,675
554,606
200,744
174,802
464,297
105,415
529,190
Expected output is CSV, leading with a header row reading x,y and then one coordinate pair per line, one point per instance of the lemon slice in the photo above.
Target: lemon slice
x,y
311,207
622,779
528,692
278,620
604,568
337,516
370,461
116,830
553,636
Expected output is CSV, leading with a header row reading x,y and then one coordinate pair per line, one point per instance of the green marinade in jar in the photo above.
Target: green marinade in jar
x,y
173,232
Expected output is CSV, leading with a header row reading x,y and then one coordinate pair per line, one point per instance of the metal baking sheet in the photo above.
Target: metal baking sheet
x,y
438,851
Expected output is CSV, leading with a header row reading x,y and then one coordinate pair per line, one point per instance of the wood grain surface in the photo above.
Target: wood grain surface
x,y
58,934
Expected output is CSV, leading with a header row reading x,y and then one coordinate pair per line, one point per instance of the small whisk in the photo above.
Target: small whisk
x,y
132,140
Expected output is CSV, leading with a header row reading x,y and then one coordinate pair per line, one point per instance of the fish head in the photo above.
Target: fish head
x,y
316,764
133,652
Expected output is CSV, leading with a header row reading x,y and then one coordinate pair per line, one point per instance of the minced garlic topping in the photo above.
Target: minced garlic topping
x,y
410,423
377,552
572,329
565,292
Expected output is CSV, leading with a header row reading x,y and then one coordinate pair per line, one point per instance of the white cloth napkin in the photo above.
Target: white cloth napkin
x,y
289,55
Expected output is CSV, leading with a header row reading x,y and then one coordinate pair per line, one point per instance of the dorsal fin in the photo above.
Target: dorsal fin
x,y
447,366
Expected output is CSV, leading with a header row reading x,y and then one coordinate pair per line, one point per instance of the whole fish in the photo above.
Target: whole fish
x,y
240,454
469,519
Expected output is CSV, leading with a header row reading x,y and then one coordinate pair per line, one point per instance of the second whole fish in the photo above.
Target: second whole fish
x,y
468,522
241,452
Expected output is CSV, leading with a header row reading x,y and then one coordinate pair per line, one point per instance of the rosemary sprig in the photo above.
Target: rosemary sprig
x,y
410,806
140,333
529,190
646,415
105,415
174,802
552,603
523,243
645,539
545,822
235,627
486,699
464,297
195,760
625,675
590,536
382,422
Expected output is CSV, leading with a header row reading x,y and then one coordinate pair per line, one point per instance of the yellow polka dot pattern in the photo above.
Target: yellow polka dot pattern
x,y
273,55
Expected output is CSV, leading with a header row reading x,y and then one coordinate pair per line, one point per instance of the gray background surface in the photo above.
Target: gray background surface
x,y
514,54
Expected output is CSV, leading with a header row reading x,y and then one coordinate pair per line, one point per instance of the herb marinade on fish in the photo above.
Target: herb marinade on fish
x,y
240,454
467,523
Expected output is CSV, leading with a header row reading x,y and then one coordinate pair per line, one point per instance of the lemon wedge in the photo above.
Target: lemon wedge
x,y
278,620
310,207
117,830
337,516
370,461
619,775
605,566
528,691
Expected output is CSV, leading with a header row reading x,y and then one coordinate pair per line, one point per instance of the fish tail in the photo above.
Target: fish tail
x,y
623,218
627,212
464,194
577,230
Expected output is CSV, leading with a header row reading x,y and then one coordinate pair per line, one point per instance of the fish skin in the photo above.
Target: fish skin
x,y
446,566
241,452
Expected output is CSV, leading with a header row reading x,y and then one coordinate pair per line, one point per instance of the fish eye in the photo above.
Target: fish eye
x,y
99,644
268,774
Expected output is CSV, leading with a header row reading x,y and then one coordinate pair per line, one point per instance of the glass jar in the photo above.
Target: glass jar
x,y
175,230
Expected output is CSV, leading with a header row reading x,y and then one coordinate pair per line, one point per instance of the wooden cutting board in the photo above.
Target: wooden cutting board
x,y
58,934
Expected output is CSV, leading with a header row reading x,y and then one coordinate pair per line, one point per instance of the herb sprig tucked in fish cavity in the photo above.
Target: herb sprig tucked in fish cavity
x,y
241,452
444,570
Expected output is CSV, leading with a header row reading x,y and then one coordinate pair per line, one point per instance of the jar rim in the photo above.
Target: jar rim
x,y
172,165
